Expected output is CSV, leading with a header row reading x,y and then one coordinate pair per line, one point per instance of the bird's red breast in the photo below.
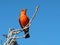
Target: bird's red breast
x,y
23,19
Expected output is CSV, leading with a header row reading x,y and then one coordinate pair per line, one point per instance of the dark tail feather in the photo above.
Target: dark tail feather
x,y
27,36
27,31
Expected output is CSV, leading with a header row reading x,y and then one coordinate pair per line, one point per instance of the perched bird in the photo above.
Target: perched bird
x,y
24,20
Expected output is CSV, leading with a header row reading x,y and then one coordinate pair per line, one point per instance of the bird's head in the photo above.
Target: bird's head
x,y
23,11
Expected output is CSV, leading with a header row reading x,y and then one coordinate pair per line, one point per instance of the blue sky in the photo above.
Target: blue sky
x,y
45,28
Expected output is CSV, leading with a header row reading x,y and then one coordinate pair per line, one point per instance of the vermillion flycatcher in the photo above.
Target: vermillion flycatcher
x,y
24,20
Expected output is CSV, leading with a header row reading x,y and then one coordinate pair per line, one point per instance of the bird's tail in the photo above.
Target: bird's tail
x,y
26,31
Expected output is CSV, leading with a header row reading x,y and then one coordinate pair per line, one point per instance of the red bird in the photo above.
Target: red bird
x,y
24,20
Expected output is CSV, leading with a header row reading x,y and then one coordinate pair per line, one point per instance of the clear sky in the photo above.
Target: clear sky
x,y
45,28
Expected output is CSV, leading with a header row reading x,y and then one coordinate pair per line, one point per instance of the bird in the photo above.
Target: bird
x,y
23,21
